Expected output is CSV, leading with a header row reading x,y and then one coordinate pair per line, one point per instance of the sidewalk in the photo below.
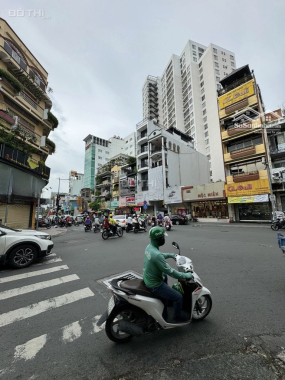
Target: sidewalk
x,y
231,225
54,231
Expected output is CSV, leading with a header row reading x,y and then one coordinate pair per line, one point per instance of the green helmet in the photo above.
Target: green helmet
x,y
156,233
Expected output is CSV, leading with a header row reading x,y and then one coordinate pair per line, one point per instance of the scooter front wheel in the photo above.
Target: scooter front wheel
x,y
202,308
275,227
105,235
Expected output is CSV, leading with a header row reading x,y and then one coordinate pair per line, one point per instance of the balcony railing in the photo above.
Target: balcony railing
x,y
278,150
234,85
29,100
156,164
243,152
23,162
143,149
249,176
156,150
141,136
144,188
143,165
235,129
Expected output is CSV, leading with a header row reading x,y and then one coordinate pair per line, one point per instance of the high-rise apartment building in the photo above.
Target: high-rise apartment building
x,y
99,151
152,99
187,98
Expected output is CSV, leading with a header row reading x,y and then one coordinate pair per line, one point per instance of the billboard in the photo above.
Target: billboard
x,y
214,190
260,186
239,93
249,199
172,195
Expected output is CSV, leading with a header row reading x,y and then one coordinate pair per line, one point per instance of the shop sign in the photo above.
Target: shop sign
x,y
215,190
115,204
122,201
244,91
249,199
173,195
130,201
260,186
107,204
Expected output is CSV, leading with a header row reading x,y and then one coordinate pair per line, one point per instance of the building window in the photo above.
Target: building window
x,y
216,64
169,145
207,141
202,84
215,50
233,64
131,146
215,57
99,158
204,104
202,91
218,79
232,57
208,149
203,97
209,157
206,126
106,159
107,152
205,119
201,70
192,122
200,64
100,150
193,46
217,72
201,77
194,59
99,164
131,152
206,134
204,112
194,53
178,149
174,147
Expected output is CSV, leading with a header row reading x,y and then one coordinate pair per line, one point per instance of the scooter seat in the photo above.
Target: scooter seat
x,y
138,287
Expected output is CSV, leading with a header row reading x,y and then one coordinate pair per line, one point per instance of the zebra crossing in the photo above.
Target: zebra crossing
x,y
69,333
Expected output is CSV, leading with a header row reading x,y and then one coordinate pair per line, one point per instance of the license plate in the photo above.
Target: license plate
x,y
111,305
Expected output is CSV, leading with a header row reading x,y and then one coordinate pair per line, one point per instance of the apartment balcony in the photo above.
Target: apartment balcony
x,y
156,152
156,164
143,152
142,138
235,84
116,180
145,188
241,130
277,152
239,154
142,167
142,125
249,176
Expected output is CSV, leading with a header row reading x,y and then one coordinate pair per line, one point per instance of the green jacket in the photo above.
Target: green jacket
x,y
155,265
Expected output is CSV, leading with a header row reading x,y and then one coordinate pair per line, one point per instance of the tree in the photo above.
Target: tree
x,y
95,206
131,160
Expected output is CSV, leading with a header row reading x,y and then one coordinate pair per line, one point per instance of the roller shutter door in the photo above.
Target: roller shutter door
x,y
18,215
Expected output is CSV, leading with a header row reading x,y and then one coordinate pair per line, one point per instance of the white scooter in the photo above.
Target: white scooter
x,y
133,310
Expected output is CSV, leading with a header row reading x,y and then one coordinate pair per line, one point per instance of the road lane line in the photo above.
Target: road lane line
x,y
32,274
96,328
30,349
51,261
71,332
42,306
38,286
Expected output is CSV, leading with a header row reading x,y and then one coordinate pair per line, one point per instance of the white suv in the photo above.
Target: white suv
x,y
22,247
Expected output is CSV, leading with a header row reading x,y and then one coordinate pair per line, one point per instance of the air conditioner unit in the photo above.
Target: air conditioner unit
x,y
276,175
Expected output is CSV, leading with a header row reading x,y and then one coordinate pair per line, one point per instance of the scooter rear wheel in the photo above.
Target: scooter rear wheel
x,y
275,227
127,313
120,232
105,235
202,308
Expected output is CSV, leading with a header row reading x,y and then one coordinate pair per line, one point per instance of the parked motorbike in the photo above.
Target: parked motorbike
x,y
44,224
278,224
133,310
107,232
88,227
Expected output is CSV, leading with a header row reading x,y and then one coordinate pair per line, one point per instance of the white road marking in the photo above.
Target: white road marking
x,y
41,307
45,262
38,286
32,274
51,255
71,332
96,328
30,349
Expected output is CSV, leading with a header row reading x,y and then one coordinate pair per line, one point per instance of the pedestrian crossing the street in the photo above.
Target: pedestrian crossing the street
x,y
35,279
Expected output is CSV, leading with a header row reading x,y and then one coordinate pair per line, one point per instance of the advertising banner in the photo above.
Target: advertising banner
x,y
249,199
122,201
173,195
115,204
130,201
260,186
214,190
244,91
132,182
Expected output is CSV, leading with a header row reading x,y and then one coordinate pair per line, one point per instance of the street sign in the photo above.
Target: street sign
x,y
144,202
272,197
145,207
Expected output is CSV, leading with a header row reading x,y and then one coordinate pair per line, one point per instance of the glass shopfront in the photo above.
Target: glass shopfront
x,y
254,211
210,209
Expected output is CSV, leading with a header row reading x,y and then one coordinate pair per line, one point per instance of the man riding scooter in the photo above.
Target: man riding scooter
x,y
88,223
154,268
113,224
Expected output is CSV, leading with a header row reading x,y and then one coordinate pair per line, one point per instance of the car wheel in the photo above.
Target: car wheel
x,y
176,222
23,256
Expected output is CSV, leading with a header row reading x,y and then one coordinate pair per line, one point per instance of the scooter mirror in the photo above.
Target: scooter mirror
x,y
175,245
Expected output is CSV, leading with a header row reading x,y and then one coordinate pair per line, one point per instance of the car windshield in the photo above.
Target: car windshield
x,y
119,217
8,228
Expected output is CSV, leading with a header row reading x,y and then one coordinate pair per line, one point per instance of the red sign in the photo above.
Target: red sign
x,y
137,208
130,200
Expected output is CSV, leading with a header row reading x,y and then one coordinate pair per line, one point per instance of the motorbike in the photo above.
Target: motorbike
x,y
88,227
96,228
107,232
43,223
160,222
278,224
140,227
129,227
153,224
167,226
133,310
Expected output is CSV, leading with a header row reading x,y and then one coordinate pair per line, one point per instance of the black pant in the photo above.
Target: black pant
x,y
114,229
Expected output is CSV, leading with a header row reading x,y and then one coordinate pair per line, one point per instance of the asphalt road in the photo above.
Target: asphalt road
x,y
48,318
